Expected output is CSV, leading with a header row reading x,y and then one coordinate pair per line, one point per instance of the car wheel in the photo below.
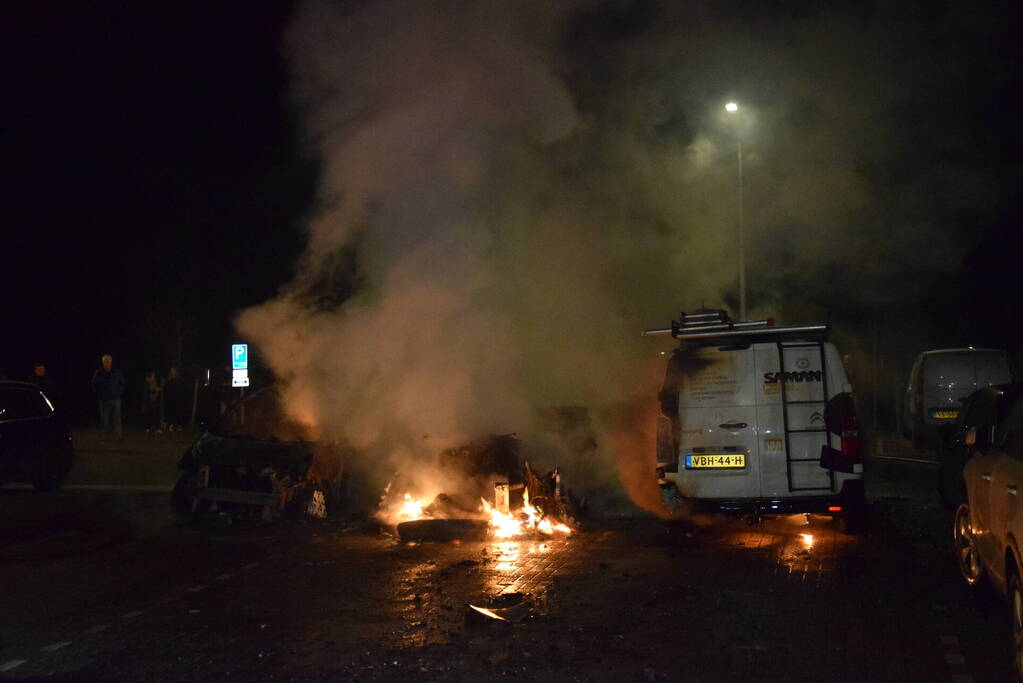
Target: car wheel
x,y
966,547
1016,603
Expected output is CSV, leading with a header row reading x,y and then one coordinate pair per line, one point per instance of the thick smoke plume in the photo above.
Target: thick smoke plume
x,y
509,193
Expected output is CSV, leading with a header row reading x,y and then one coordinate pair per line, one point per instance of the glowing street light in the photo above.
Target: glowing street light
x,y
733,108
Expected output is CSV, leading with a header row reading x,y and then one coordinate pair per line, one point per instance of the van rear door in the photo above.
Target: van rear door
x,y
790,411
948,377
717,423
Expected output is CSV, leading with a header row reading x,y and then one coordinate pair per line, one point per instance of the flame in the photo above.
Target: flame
x,y
408,509
411,508
807,540
527,520
522,522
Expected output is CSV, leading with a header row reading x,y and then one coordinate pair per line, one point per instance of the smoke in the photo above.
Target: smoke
x,y
510,192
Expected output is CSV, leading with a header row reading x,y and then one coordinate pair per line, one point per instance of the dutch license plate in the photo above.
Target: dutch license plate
x,y
715,461
946,414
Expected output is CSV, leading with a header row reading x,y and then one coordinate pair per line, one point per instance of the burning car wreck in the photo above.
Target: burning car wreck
x,y
258,463
491,491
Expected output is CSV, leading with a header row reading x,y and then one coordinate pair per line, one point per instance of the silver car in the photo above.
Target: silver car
x,y
987,528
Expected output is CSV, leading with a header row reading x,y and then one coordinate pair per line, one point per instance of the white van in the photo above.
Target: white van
x,y
758,419
941,380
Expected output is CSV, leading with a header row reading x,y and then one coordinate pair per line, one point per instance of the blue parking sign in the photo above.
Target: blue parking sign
x,y
240,356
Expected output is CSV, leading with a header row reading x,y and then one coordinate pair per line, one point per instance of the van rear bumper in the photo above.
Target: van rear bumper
x,y
850,495
786,506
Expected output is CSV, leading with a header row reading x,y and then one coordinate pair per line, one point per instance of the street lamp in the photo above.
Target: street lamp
x,y
733,108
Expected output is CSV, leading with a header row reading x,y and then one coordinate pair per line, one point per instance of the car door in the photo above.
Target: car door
x,y
1005,490
990,475
18,428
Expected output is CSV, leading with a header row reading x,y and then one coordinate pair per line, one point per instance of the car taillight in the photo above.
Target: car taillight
x,y
851,435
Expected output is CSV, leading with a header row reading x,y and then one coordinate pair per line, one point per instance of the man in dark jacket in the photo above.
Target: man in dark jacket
x,y
108,383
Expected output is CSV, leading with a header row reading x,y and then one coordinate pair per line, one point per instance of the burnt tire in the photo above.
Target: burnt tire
x,y
441,530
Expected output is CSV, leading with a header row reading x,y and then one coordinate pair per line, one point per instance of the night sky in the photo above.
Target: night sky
x,y
158,173
155,176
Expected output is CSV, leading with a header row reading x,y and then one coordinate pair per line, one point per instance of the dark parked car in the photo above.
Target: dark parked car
x,y
35,440
973,431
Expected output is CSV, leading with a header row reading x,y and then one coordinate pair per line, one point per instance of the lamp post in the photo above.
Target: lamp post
x,y
733,108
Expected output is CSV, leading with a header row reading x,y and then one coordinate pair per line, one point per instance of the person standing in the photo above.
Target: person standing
x,y
45,383
108,383
175,401
149,408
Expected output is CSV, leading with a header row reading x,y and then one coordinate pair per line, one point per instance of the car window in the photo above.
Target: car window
x,y
20,404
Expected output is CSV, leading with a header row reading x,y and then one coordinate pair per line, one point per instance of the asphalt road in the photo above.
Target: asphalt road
x,y
102,584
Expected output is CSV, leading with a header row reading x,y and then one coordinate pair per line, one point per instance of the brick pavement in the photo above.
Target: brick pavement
x,y
721,603
637,600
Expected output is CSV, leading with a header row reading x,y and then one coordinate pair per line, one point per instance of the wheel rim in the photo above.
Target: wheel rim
x,y
966,547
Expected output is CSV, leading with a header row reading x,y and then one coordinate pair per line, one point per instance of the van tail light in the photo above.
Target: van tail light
x,y
851,435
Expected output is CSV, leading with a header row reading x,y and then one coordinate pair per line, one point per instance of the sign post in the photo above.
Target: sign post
x,y
239,365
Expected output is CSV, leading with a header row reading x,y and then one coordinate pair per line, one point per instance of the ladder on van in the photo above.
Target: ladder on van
x,y
822,402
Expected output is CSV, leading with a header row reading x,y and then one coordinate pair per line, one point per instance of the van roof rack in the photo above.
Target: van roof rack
x,y
708,323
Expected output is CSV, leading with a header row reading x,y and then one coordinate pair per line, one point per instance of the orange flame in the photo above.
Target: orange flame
x,y
528,520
